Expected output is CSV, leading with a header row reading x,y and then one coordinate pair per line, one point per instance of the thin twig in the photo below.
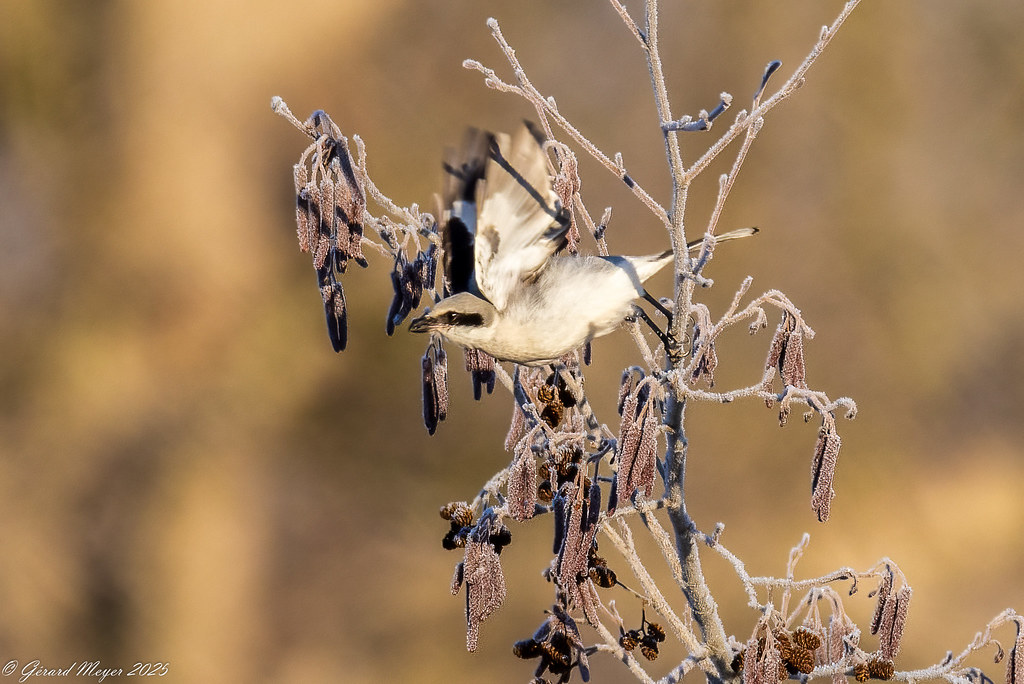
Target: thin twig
x,y
546,107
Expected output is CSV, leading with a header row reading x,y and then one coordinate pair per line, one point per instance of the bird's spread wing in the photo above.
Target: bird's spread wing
x,y
521,222
502,219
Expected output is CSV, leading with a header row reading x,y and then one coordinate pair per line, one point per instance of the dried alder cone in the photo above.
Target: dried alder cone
x,y
558,645
777,655
646,638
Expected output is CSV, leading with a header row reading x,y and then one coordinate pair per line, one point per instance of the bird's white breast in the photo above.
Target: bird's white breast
x,y
574,300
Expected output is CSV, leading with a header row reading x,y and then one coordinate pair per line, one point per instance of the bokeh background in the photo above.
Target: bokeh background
x,y
189,475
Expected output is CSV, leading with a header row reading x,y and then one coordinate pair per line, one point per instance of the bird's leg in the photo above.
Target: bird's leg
x,y
672,346
665,338
659,306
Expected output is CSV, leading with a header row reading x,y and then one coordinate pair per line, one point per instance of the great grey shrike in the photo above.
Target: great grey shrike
x,y
512,295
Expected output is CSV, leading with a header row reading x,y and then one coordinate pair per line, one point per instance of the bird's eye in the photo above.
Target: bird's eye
x,y
451,317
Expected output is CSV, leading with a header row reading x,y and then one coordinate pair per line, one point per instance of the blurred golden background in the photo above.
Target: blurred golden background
x,y
188,474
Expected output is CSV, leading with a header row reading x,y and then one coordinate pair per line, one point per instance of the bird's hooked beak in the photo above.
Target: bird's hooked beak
x,y
422,324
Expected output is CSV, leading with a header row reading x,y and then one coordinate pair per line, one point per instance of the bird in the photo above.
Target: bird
x,y
510,291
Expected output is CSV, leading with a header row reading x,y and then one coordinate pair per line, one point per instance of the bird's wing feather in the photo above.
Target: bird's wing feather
x,y
464,177
521,222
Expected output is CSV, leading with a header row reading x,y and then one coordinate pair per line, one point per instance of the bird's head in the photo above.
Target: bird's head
x,y
462,318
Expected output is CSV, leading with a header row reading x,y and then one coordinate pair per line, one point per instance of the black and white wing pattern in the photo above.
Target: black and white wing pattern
x,y
464,180
520,222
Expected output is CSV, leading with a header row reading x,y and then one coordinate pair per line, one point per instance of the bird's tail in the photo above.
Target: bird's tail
x,y
724,237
